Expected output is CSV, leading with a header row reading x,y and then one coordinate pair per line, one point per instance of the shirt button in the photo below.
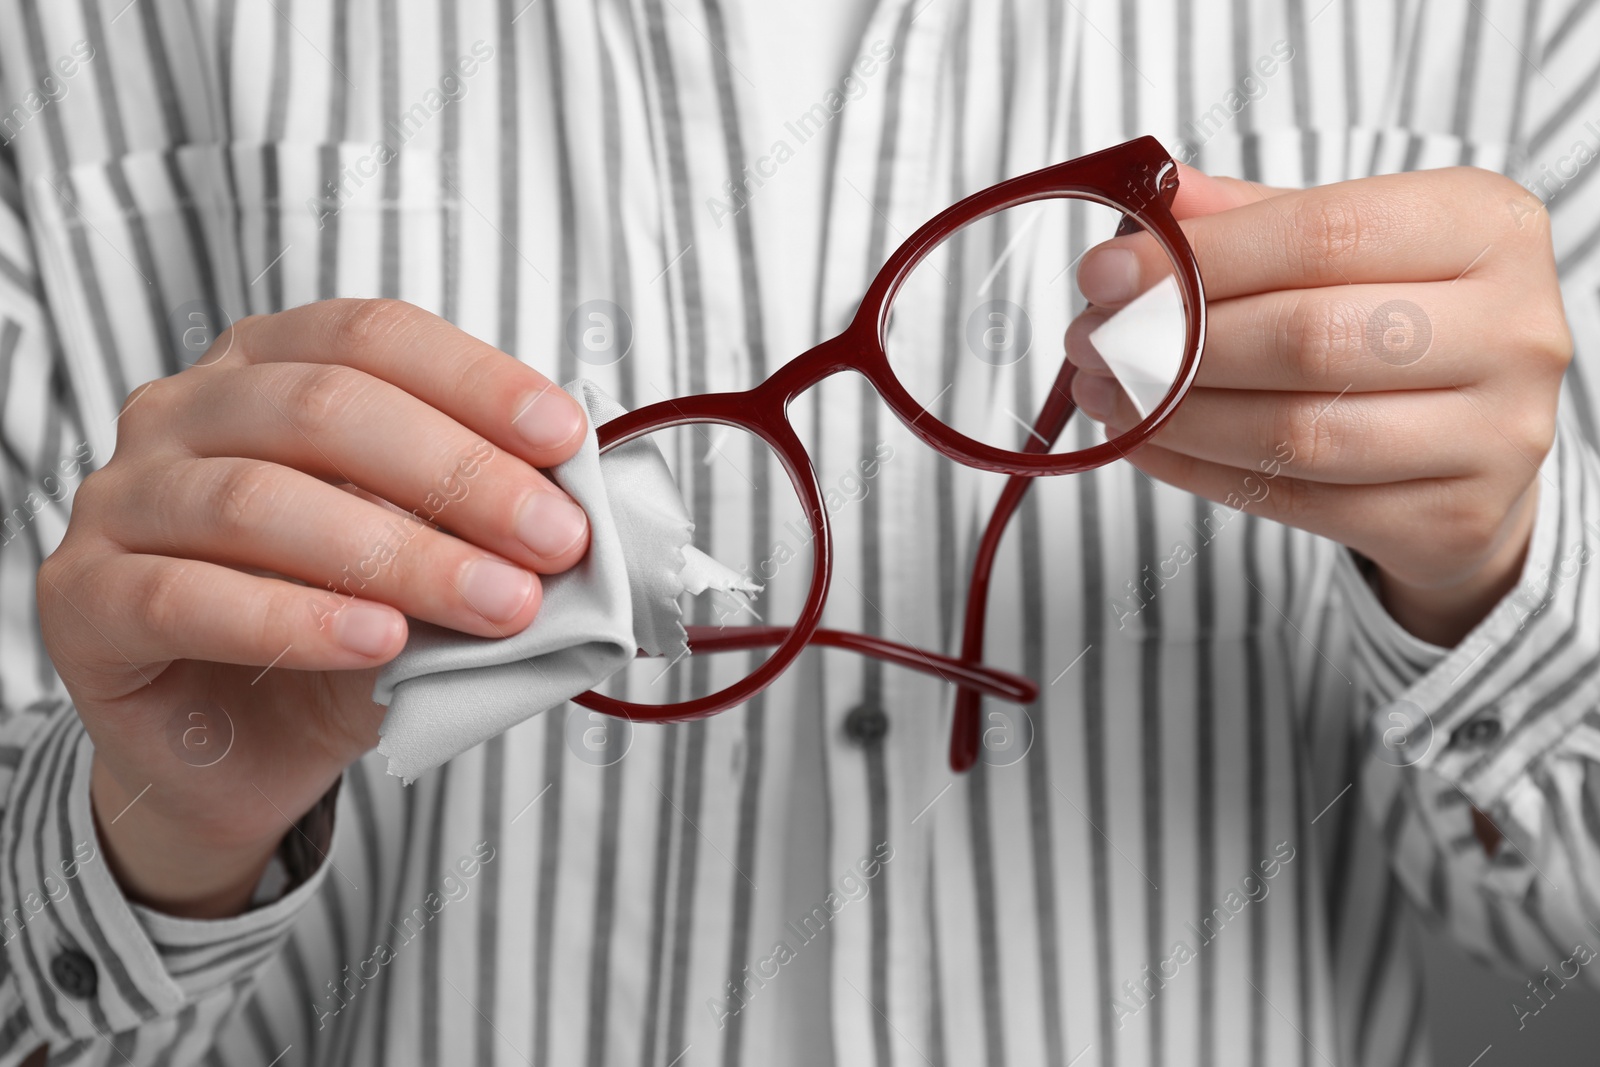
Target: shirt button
x,y
74,972
1477,733
866,725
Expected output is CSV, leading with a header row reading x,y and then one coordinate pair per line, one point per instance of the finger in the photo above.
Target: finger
x,y
482,388
154,609
1419,227
1343,513
1201,194
1356,439
348,426
251,514
1360,338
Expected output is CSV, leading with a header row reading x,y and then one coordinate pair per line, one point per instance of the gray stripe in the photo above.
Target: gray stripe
x,y
938,1055
278,95
1341,869
23,278
1578,252
1408,92
612,783
1152,669
338,101
991,978
1383,942
185,1027
660,888
157,302
544,915
16,1025
604,912
159,66
1352,68
361,806
1525,74
872,546
1562,31
390,910
83,261
267,1043
27,788
1579,396
754,712
338,84
105,82
1300,86
1553,693
222,131
509,165
227,12
491,810
1038,768
431,988
1539,140
39,60
1589,803
687,275
389,107
63,758
449,175
10,190
1467,75
303,999
690,797
944,473
1205,782
1256,769
1183,71
1302,737
1508,650
272,239
621,265
1416,1022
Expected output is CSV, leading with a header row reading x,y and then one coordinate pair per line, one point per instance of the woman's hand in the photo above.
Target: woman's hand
x,y
232,578
1390,350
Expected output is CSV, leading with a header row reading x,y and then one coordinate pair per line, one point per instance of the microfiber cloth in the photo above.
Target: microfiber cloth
x,y
447,691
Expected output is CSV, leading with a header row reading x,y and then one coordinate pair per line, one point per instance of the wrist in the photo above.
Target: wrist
x,y
1443,614
170,867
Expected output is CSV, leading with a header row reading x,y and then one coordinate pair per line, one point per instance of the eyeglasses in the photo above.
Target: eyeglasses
x,y
984,271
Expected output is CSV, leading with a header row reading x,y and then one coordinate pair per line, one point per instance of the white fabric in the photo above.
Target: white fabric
x,y
447,691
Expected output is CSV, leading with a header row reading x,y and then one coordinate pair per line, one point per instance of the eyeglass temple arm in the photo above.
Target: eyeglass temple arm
x,y
990,682
965,735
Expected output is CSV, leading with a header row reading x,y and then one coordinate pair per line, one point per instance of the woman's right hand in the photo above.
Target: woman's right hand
x,y
233,577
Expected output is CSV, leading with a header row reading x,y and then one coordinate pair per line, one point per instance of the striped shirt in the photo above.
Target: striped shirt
x,y
1201,859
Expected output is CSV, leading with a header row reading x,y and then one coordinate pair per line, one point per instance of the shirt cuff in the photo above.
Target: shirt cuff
x,y
87,961
1480,715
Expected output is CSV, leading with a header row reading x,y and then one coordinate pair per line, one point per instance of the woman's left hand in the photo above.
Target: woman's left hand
x,y
1384,355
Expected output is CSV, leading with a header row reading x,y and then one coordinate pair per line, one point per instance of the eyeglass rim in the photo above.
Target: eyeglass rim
x,y
1101,177
779,436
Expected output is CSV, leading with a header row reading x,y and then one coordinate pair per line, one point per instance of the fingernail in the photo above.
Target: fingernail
x,y
496,590
550,524
366,629
1095,394
548,419
1109,276
1081,350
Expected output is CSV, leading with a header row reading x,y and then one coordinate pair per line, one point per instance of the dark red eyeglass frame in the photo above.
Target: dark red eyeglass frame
x,y
1140,179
